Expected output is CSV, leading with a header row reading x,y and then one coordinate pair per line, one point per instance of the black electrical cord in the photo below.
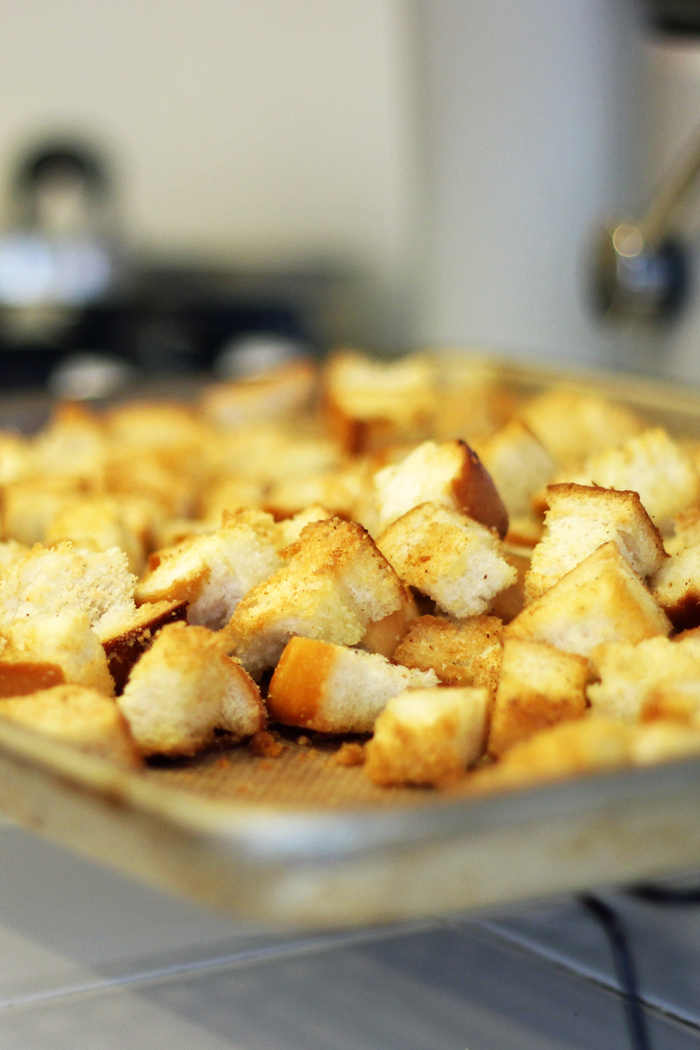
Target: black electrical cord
x,y
624,967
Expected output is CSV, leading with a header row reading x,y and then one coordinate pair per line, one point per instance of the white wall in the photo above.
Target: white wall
x,y
263,130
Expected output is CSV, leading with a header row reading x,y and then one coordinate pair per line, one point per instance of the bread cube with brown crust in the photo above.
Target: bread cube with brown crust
x,y
73,444
519,465
427,736
601,600
29,506
572,425
98,523
333,688
573,748
334,584
631,674
450,474
50,650
465,654
183,689
131,635
282,392
579,519
676,587
511,601
50,580
653,465
213,572
672,701
369,403
457,562
75,715
538,687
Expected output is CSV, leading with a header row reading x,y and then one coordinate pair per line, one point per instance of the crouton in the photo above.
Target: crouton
x,y
601,600
183,689
47,581
369,403
281,392
63,641
511,601
630,673
572,425
335,689
578,521
676,587
519,465
383,636
97,523
450,474
130,636
655,466
427,736
334,585
538,687
456,561
572,748
213,572
29,506
464,654
75,715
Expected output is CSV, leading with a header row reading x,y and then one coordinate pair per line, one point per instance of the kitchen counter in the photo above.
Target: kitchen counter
x,y
89,958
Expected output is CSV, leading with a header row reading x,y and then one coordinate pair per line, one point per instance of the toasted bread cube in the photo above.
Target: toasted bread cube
x,y
519,465
629,674
456,561
572,425
130,636
97,523
383,636
661,741
273,395
674,701
427,736
676,587
572,748
539,686
601,600
213,572
229,494
63,640
450,474
656,467
47,581
183,689
581,518
370,403
334,585
75,715
334,689
474,401
465,654
73,444
511,601
29,506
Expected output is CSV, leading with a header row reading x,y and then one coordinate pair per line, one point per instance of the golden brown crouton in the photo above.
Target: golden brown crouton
x,y
213,572
334,689
129,637
427,736
467,653
75,715
450,474
539,686
676,587
456,561
63,640
334,585
601,600
581,518
183,689
281,392
631,673
519,465
572,425
369,403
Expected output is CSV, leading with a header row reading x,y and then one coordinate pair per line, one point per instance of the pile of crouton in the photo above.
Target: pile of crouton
x,y
483,589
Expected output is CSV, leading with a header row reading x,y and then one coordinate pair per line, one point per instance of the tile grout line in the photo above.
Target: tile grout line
x,y
583,973
216,964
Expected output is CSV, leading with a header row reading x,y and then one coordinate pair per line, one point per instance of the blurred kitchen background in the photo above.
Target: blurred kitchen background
x,y
390,173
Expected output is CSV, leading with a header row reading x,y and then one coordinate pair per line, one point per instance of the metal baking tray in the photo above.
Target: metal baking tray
x,y
298,840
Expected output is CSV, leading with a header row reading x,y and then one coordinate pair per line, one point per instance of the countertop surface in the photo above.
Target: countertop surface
x,y
89,958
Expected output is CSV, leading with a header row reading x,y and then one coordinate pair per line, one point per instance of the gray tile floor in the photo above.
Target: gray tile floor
x,y
89,958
